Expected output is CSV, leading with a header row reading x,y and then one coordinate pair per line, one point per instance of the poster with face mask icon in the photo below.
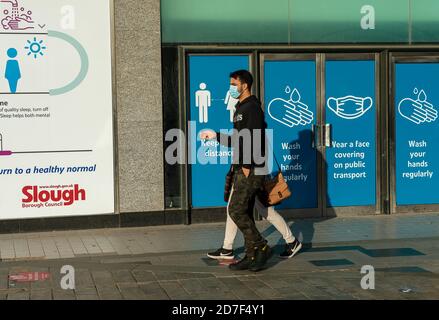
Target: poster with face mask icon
x,y
351,112
56,108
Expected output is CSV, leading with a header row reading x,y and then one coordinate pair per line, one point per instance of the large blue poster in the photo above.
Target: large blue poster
x,y
351,111
417,133
290,111
211,107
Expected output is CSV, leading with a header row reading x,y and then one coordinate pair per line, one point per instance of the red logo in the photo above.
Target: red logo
x,y
29,276
52,195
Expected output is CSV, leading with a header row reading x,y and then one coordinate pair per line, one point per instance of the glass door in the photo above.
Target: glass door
x,y
351,140
290,94
323,111
414,133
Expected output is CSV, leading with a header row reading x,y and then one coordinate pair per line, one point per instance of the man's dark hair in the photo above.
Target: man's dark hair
x,y
244,76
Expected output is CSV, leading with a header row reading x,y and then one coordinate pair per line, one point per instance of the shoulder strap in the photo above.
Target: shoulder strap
x,y
275,159
274,156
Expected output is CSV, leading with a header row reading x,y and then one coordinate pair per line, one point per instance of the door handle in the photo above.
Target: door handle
x,y
316,136
328,135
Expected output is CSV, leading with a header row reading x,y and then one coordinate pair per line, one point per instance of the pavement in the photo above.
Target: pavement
x,y
170,263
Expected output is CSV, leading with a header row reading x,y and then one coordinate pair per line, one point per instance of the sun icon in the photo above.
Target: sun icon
x,y
35,47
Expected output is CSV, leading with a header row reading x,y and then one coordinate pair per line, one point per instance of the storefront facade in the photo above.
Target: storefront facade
x,y
359,77
350,70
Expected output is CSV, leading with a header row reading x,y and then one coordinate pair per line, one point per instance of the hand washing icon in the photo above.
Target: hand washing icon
x,y
349,107
292,112
16,18
417,111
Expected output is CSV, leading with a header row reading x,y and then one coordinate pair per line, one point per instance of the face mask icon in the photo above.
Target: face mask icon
x,y
350,107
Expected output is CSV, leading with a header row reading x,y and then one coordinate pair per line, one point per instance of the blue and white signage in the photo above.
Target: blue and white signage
x,y
351,112
290,111
211,107
417,133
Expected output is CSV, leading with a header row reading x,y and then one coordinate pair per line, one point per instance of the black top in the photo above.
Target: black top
x,y
248,135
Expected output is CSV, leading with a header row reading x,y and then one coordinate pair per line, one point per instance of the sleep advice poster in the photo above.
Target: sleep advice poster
x,y
56,123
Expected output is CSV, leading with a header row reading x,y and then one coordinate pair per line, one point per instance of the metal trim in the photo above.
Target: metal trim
x,y
321,188
289,56
349,56
414,57
116,170
392,134
185,190
378,139
311,47
384,131
321,118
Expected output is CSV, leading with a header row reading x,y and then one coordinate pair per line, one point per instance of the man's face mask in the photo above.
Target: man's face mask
x,y
234,93
350,107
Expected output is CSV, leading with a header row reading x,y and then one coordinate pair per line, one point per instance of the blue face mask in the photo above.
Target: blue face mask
x,y
234,93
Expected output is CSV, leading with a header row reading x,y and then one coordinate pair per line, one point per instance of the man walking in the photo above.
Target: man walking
x,y
248,143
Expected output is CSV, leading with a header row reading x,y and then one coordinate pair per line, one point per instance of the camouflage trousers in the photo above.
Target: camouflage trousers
x,y
240,208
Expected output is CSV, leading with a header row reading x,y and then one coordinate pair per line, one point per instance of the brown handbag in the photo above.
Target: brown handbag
x,y
275,190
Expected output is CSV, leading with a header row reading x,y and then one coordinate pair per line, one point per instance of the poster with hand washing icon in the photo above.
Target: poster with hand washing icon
x,y
290,106
416,133
56,110
351,112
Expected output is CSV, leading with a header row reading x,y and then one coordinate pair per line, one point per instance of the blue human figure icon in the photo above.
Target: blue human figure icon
x,y
12,73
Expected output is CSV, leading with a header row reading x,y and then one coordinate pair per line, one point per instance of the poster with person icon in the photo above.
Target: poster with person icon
x,y
56,106
12,70
209,83
22,73
203,102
